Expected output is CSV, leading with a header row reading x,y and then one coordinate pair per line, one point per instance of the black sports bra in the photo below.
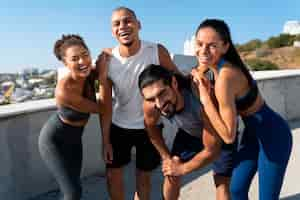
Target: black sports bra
x,y
71,114
249,98
74,115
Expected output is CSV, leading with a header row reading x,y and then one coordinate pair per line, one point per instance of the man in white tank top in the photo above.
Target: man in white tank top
x,y
123,122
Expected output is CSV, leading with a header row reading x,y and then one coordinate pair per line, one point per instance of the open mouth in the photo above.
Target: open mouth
x,y
83,68
166,108
204,59
124,34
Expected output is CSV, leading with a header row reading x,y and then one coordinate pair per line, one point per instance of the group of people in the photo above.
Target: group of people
x,y
147,87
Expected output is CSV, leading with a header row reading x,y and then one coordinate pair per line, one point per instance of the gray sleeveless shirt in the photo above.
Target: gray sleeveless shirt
x,y
190,118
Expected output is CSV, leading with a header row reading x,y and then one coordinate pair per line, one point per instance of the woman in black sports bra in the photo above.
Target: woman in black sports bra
x,y
60,141
267,141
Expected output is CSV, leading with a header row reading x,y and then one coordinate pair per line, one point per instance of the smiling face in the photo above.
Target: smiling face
x,y
163,97
125,27
78,60
209,47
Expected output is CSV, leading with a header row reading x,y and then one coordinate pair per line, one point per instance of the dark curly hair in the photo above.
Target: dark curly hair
x,y
66,41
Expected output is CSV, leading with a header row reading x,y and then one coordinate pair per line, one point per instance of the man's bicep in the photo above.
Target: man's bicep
x,y
165,59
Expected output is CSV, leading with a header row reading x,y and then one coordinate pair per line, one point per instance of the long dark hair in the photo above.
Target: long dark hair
x,y
231,55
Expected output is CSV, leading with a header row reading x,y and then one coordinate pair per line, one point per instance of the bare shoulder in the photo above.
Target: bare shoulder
x,y
229,70
165,59
108,51
229,74
63,83
62,89
162,49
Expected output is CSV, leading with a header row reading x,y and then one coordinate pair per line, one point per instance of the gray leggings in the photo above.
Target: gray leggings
x,y
60,147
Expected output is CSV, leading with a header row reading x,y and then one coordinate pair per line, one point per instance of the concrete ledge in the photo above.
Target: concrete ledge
x,y
276,74
12,110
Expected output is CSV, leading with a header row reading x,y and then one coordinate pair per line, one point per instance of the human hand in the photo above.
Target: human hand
x,y
173,167
102,62
107,153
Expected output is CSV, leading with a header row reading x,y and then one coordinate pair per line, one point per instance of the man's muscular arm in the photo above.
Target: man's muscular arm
x,y
151,117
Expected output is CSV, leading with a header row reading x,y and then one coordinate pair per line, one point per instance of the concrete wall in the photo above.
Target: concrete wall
x,y
24,175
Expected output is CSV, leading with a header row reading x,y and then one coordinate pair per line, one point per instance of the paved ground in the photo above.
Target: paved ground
x,y
197,185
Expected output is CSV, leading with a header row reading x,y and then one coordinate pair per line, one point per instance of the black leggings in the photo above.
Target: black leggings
x,y
60,147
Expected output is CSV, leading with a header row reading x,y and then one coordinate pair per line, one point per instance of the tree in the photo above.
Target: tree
x,y
250,46
281,41
259,65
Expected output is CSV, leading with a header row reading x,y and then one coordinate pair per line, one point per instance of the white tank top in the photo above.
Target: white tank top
x,y
124,73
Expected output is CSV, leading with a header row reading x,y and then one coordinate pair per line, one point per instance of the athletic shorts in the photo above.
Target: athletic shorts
x,y
186,147
122,140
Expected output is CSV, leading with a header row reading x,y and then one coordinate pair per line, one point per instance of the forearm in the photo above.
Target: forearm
x,y
200,160
217,122
80,104
105,100
106,118
86,105
105,121
157,140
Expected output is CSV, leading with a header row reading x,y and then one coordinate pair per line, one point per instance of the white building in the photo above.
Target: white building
x,y
189,46
292,27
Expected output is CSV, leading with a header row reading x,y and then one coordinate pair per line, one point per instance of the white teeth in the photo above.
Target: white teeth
x,y
124,34
82,67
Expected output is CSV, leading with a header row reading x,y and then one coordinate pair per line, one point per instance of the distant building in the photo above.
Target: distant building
x,y
29,84
189,46
292,27
296,44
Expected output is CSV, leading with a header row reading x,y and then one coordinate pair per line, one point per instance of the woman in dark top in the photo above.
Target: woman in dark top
x,y
60,142
267,141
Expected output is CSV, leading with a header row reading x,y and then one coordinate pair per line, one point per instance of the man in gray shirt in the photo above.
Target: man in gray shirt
x,y
196,143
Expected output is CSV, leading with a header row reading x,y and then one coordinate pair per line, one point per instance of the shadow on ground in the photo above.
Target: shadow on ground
x,y
94,187
292,197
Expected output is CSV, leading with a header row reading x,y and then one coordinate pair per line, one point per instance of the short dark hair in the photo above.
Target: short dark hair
x,y
153,73
65,42
125,8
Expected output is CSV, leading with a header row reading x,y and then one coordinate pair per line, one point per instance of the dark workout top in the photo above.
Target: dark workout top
x,y
249,98
189,118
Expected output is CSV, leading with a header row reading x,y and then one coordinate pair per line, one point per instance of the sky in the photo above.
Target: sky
x,y
29,29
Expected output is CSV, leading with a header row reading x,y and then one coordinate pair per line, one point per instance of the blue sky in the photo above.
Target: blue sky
x,y
28,29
